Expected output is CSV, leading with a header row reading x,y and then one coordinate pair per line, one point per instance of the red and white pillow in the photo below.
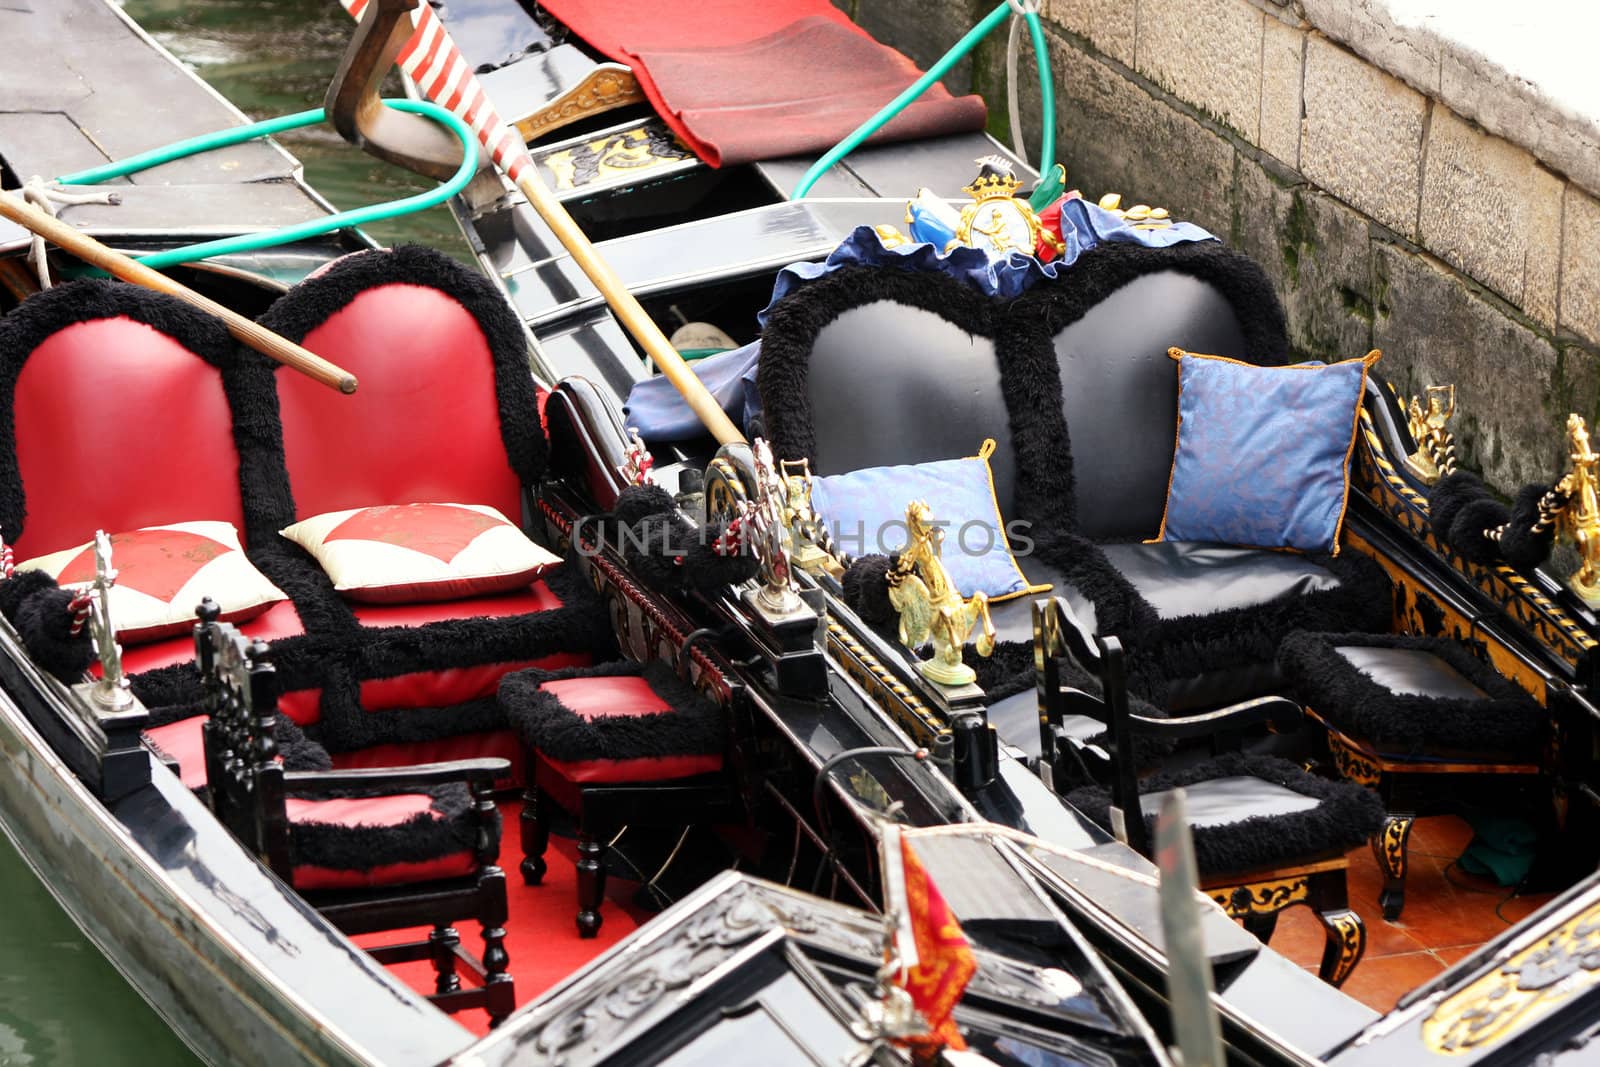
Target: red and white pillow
x,y
407,553
163,572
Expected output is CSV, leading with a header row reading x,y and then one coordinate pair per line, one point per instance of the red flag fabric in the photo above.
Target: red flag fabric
x,y
739,80
945,963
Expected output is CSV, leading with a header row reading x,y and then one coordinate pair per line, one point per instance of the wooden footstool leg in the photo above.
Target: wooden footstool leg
x,y
1261,926
591,882
1389,846
499,987
442,944
535,834
1346,934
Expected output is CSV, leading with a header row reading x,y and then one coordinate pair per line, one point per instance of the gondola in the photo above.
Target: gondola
x,y
787,724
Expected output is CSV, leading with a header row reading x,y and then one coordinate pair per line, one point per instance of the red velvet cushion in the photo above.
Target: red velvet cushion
x,y
86,401
603,696
655,769
425,424
453,685
355,813
537,597
184,742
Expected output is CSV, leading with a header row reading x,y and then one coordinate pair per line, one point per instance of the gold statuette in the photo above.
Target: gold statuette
x,y
930,606
1435,456
809,542
1581,518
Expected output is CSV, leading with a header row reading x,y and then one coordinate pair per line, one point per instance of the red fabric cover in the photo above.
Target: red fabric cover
x,y
620,694
183,741
425,424
740,80
537,597
85,401
455,865
500,743
454,685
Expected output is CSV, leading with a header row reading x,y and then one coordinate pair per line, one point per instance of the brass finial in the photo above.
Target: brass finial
x,y
930,606
810,546
770,535
111,693
1427,420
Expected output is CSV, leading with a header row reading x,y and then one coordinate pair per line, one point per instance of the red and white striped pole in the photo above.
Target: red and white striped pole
x,y
432,61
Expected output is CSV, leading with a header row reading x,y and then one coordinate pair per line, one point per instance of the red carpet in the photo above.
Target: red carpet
x,y
541,933
740,80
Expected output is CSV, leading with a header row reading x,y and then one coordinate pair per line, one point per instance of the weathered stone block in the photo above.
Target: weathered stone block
x,y
1513,387
1317,253
1367,28
1208,53
1114,136
927,33
1489,209
1109,27
1282,53
1580,265
1361,138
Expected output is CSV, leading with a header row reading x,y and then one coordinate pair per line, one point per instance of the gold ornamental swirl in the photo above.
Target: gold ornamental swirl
x,y
1261,898
1524,989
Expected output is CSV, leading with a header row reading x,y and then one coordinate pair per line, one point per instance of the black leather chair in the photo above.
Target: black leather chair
x,y
1267,834
876,366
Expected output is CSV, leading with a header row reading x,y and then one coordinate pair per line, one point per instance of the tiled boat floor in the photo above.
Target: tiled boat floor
x,y
1447,914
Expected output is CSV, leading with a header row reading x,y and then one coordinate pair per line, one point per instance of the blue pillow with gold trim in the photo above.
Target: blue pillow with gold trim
x,y
865,511
1263,453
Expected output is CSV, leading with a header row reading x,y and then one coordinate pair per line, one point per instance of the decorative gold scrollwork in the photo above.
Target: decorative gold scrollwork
x,y
1261,898
1428,420
1353,764
1528,986
1350,941
1389,845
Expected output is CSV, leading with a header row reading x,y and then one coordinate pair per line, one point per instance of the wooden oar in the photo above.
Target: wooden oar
x,y
256,336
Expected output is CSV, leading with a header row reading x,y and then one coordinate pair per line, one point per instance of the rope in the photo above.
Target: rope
x,y
8,561
50,197
1442,450
79,606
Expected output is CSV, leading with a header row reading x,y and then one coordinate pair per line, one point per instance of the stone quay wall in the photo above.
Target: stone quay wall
x,y
1401,190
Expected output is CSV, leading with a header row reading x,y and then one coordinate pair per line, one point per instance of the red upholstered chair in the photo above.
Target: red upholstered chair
x,y
371,849
116,417
446,412
619,744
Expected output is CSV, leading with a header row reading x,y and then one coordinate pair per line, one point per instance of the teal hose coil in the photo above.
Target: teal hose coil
x,y
1047,108
250,242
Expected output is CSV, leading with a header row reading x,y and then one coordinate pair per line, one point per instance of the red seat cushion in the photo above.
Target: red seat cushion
x,y
618,722
360,842
537,597
184,742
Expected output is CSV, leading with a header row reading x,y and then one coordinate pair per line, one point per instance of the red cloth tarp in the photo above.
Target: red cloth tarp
x,y
740,80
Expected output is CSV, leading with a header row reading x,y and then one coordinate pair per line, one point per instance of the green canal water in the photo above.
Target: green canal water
x,y
61,1003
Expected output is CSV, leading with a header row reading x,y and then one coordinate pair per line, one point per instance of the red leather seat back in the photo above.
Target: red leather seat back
x,y
424,425
117,425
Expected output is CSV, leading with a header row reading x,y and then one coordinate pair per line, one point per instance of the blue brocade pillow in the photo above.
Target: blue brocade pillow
x,y
1263,453
865,510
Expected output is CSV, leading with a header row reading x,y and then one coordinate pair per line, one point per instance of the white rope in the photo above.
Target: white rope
x,y
1013,103
50,198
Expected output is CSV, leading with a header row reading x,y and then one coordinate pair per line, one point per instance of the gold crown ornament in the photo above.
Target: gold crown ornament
x,y
997,221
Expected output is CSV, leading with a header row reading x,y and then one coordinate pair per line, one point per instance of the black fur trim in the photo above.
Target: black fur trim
x,y
44,622
1520,546
448,828
638,501
1448,496
1473,521
1023,332
709,572
309,304
19,587
866,590
1346,816
693,726
1508,723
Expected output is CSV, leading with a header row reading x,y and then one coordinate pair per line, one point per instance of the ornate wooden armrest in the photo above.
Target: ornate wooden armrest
x,y
482,772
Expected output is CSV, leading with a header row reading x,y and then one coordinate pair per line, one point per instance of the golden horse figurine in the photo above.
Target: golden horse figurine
x,y
1581,518
930,606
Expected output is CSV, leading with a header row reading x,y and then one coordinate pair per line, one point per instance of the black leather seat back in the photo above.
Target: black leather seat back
x,y
891,384
1119,391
